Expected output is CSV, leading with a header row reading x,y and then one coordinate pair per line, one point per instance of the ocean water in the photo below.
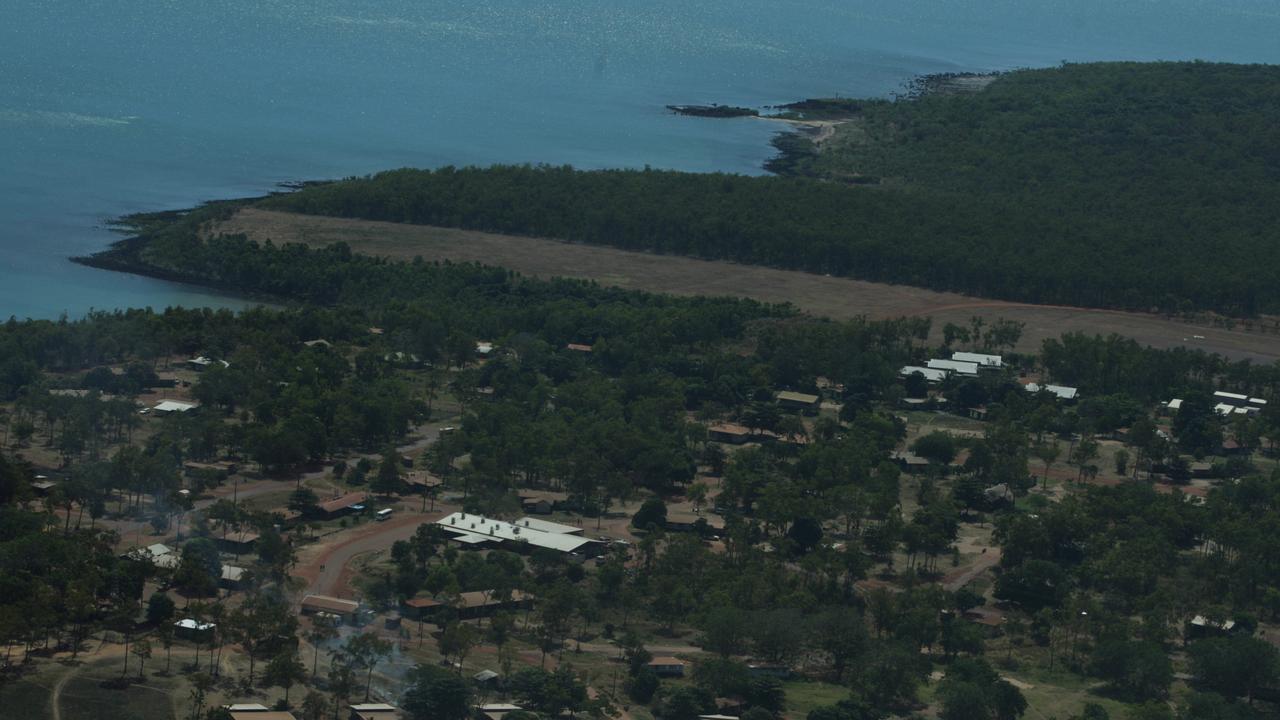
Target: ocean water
x,y
114,106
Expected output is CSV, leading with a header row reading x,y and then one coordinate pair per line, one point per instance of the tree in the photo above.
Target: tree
x,y
367,649
937,447
973,691
653,513
313,706
686,703
284,671
387,480
200,568
1047,453
142,648
319,634
1121,460
1138,668
842,633
1235,666
725,631
457,640
160,609
436,694
303,500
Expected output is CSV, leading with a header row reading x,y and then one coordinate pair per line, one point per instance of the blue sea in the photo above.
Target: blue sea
x,y
115,106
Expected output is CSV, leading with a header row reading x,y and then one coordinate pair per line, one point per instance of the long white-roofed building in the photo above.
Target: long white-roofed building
x,y
982,361
480,531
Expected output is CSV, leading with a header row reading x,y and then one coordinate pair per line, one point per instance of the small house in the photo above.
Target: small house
x,y
729,433
238,542
537,504
1203,627
232,577
497,711
910,462
689,521
667,666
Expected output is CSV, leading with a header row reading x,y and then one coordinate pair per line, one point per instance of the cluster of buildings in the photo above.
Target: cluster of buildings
x,y
1228,404
964,364
970,365
360,711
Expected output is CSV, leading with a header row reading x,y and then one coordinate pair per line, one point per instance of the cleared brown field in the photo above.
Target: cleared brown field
x,y
815,294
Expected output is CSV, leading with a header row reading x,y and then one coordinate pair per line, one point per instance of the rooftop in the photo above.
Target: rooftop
x,y
930,374
477,528
331,604
1063,392
979,358
174,406
344,502
666,660
964,368
548,526
796,397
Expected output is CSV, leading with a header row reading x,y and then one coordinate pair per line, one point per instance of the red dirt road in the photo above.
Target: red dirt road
x,y
326,566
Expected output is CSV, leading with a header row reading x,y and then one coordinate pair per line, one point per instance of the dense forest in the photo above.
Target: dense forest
x,y
1137,186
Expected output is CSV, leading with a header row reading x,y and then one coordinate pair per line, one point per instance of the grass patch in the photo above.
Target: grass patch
x,y
83,698
27,694
805,695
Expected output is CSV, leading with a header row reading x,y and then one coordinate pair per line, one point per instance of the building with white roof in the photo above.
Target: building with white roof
x,y
1063,392
477,530
933,375
172,406
981,360
955,366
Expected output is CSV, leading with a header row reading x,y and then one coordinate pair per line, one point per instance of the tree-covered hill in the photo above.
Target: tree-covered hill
x,y
1124,185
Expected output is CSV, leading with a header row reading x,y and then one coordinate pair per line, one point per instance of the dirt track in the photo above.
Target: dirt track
x,y
816,294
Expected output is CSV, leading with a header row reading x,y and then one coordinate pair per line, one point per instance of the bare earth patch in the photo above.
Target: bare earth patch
x,y
821,295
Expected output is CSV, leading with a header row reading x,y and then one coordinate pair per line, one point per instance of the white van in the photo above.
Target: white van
x,y
382,515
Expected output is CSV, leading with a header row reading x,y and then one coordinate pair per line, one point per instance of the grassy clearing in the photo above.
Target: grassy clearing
x,y
805,695
26,693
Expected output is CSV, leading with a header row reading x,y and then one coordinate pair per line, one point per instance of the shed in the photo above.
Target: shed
x,y
374,711
344,609
341,505
192,629
798,401
173,406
